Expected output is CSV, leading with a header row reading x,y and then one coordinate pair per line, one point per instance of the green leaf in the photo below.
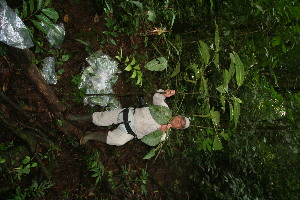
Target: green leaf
x,y
231,111
153,138
176,70
225,135
24,11
138,4
151,16
31,6
204,52
51,13
26,169
133,61
217,144
46,21
106,33
222,100
236,111
47,2
34,164
26,160
150,154
217,38
133,74
39,26
65,58
157,64
161,114
114,34
232,65
113,41
215,117
239,67
206,145
217,60
39,4
128,68
82,42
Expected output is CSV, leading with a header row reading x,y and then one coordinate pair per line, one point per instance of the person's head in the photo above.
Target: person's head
x,y
180,122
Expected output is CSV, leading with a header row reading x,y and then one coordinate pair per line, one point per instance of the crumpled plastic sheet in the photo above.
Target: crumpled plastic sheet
x,y
99,78
55,37
13,32
48,70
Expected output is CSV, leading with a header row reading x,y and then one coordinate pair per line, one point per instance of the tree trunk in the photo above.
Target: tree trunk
x,y
25,59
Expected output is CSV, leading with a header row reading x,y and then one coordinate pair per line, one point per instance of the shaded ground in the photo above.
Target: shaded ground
x,y
71,176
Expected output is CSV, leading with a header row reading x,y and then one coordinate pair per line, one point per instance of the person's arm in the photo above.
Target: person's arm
x,y
159,99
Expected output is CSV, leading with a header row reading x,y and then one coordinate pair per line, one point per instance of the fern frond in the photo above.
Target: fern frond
x,y
39,4
31,6
25,12
39,26
46,21
51,13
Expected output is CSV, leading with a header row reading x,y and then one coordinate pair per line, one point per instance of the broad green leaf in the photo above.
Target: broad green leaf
x,y
139,79
239,67
176,70
31,6
153,138
215,117
51,13
65,58
276,41
161,114
217,60
231,111
24,12
26,170
106,33
132,62
128,68
157,64
204,52
226,79
204,86
47,22
151,16
26,160
225,135
217,38
196,70
217,144
115,34
138,4
133,74
236,112
222,100
39,4
221,89
232,65
34,164
39,26
113,41
150,154
206,145
137,67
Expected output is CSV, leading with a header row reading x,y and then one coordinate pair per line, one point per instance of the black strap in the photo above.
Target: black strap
x,y
126,122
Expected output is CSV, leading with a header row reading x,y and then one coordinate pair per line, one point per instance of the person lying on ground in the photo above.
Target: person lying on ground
x,y
134,122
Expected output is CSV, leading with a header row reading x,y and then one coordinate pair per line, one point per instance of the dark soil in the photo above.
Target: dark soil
x,y
70,174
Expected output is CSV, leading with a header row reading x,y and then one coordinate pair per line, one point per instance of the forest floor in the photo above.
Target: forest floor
x,y
71,176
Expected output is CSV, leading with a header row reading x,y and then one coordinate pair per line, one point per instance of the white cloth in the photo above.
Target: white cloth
x,y
141,122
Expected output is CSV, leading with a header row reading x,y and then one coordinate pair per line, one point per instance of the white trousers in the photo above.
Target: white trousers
x,y
118,136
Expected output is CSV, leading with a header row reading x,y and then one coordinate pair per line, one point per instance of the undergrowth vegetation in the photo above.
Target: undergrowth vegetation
x,y
235,67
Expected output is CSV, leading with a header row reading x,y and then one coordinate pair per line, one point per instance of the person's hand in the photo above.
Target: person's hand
x,y
165,127
169,93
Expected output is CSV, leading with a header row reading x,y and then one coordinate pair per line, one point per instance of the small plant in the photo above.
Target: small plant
x,y
38,10
24,168
133,67
78,94
88,47
95,166
111,25
36,190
